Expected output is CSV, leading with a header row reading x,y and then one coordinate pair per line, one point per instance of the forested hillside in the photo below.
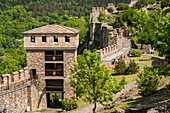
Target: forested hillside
x,y
17,16
43,7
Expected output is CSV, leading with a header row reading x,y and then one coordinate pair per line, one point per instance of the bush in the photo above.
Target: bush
x,y
168,87
135,53
122,6
165,70
120,66
132,68
69,105
148,81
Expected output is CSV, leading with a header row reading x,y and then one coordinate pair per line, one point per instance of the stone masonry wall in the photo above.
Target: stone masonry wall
x,y
14,101
50,41
35,60
69,60
13,91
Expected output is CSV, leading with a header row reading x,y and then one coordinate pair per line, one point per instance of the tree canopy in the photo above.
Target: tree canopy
x,y
92,80
147,28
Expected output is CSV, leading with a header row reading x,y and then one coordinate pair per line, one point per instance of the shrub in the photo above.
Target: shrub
x,y
168,87
165,70
132,67
135,53
122,6
148,81
120,66
69,105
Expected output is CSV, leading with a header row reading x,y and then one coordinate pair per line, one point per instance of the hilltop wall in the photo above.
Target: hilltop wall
x,y
16,91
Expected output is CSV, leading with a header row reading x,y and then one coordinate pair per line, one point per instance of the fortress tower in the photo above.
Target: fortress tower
x,y
51,53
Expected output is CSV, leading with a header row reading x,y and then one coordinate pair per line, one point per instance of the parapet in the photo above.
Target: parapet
x,y
10,79
97,9
107,51
111,6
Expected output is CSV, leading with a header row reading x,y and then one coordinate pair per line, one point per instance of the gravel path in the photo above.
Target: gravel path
x,y
87,109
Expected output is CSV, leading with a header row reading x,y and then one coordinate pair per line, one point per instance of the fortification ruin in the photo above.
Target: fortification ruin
x,y
51,53
111,43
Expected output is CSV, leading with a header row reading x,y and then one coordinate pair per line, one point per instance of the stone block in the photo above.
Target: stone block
x,y
16,76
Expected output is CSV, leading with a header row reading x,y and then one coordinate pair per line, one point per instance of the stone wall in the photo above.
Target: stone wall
x,y
14,101
159,62
69,60
35,60
13,91
145,48
97,9
74,39
19,91
107,51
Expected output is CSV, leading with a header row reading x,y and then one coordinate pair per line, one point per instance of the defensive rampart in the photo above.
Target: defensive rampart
x,y
15,91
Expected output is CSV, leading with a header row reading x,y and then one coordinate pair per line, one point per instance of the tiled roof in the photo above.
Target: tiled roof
x,y
52,29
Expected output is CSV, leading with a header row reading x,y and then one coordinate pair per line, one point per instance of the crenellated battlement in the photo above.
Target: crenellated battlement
x,y
7,80
118,32
117,40
97,9
111,6
107,51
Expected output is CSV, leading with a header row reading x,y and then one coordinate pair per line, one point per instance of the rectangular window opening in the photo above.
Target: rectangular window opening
x,y
67,38
32,38
54,55
55,38
44,39
34,73
54,85
53,69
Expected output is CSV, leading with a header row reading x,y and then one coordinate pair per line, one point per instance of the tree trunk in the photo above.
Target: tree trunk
x,y
94,109
141,46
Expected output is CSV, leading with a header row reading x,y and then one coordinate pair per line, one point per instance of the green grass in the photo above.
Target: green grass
x,y
141,64
136,98
81,102
128,78
41,110
120,104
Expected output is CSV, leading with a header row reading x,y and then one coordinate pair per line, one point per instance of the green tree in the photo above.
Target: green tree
x,y
132,67
135,53
120,66
102,16
15,59
143,3
92,80
122,6
165,3
148,81
161,32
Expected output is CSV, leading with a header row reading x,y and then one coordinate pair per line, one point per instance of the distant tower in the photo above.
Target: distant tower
x,y
51,53
111,8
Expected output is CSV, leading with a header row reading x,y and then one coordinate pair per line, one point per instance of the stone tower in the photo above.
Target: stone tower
x,y
51,53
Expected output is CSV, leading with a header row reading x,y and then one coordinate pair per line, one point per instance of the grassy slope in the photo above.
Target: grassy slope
x,y
136,98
